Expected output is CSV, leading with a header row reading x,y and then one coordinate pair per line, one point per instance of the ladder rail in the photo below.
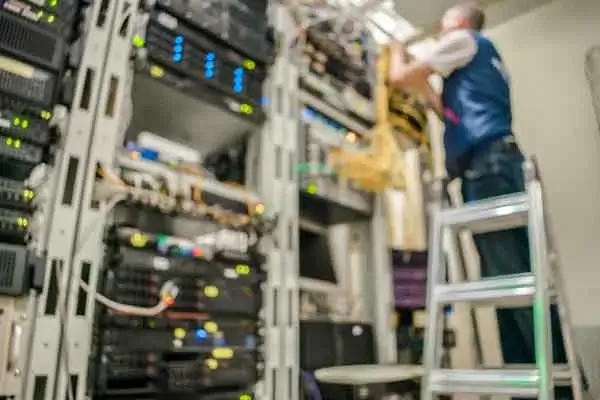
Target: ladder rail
x,y
539,266
576,376
540,287
435,268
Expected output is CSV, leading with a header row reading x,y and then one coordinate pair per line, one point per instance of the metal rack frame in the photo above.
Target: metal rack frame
x,y
58,360
88,247
277,181
46,349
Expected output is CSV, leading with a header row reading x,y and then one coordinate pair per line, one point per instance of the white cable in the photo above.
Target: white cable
x,y
169,292
98,223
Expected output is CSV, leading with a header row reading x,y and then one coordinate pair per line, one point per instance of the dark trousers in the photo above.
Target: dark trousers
x,y
491,171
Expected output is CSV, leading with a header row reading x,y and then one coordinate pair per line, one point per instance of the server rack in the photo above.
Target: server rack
x,y
57,365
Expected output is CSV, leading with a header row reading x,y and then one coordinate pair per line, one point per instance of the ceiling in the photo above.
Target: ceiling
x,y
425,14
409,20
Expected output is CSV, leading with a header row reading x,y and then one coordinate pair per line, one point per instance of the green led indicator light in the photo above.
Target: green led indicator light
x,y
312,189
138,41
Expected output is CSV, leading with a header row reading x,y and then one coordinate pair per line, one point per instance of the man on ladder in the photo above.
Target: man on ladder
x,y
480,150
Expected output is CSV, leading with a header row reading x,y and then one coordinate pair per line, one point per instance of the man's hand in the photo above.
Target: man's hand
x,y
398,49
405,72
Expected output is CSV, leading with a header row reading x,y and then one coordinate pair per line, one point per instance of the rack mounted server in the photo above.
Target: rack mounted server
x,y
36,38
324,198
207,343
212,82
208,340
337,75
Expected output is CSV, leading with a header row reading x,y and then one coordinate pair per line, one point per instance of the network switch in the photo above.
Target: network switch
x,y
15,149
173,332
27,82
47,16
31,42
216,285
15,195
21,126
13,226
42,10
175,372
336,74
179,48
340,95
240,27
325,197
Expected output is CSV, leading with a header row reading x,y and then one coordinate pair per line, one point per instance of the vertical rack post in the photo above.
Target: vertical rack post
x,y
277,183
69,174
16,325
382,290
88,249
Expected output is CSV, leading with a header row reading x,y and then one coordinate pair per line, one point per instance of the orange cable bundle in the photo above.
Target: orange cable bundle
x,y
379,166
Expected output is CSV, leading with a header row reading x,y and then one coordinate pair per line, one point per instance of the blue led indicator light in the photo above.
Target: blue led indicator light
x,y
177,57
238,80
178,48
178,39
250,342
209,65
264,101
201,334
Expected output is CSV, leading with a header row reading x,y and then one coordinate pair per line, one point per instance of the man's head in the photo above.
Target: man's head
x,y
463,16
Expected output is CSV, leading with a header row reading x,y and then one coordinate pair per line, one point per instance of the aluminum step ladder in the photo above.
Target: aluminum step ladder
x,y
537,288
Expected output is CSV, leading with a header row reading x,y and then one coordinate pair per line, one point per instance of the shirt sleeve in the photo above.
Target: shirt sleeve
x,y
451,52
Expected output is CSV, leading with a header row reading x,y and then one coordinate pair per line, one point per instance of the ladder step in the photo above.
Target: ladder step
x,y
497,214
561,374
506,382
512,290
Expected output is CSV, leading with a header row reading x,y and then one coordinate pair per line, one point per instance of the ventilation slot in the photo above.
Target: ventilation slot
x,y
25,81
39,387
8,263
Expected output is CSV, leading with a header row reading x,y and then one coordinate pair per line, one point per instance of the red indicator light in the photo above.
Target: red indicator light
x,y
169,301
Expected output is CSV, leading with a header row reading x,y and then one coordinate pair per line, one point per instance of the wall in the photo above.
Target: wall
x,y
554,119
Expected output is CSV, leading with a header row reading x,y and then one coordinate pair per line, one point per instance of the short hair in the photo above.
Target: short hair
x,y
473,13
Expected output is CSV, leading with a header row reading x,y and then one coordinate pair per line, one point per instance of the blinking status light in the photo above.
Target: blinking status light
x,y
138,240
178,49
12,142
168,299
238,80
209,65
201,334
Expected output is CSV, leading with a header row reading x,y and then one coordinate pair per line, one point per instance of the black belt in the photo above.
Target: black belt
x,y
505,143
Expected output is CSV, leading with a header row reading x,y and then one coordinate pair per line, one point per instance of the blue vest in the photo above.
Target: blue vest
x,y
476,102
